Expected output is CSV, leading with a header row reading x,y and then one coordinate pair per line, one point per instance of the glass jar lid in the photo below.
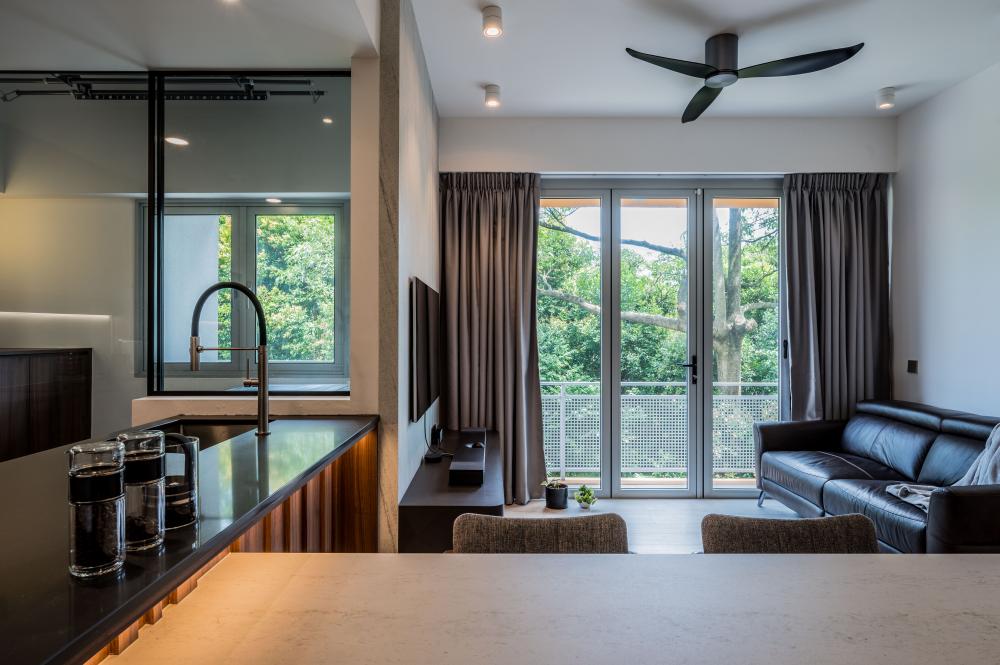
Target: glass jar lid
x,y
103,454
145,443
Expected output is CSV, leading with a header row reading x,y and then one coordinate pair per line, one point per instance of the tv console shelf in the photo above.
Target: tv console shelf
x,y
430,505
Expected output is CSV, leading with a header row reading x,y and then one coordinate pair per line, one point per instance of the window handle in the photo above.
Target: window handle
x,y
693,366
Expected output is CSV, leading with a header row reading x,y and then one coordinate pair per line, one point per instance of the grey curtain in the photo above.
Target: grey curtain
x,y
837,290
489,230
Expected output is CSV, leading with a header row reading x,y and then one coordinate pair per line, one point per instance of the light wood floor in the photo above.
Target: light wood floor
x,y
661,526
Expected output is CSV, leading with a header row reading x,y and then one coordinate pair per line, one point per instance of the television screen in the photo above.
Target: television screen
x,y
425,347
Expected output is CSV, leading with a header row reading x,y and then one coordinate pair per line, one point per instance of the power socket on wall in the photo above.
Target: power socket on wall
x,y
911,366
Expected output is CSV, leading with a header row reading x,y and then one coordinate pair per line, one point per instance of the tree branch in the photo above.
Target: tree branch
x,y
667,322
662,249
759,305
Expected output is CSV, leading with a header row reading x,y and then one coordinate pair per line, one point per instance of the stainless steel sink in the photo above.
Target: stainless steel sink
x,y
209,432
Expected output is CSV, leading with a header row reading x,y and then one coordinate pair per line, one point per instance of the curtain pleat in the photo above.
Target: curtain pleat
x,y
837,274
489,232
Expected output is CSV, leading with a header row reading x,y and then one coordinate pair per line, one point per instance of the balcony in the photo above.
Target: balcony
x,y
654,436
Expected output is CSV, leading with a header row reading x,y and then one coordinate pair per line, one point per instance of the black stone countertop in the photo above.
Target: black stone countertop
x,y
47,616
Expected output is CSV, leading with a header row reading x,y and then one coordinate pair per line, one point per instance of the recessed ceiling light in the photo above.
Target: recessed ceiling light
x,y
492,96
176,140
272,199
328,121
886,99
492,21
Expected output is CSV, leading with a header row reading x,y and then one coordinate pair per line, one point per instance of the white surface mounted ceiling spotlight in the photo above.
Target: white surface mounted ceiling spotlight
x,y
492,22
492,96
886,99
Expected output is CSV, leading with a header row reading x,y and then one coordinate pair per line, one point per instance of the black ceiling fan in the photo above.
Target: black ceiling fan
x,y
721,68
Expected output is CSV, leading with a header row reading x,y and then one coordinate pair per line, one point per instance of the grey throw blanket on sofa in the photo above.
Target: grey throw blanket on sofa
x,y
985,470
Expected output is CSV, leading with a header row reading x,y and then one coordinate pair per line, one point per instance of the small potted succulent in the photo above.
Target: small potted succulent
x,y
555,493
585,497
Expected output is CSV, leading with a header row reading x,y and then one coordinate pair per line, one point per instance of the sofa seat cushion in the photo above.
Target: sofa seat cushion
x,y
900,524
804,472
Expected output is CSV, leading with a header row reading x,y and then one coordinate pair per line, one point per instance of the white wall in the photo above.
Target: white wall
x,y
66,280
660,145
418,223
946,248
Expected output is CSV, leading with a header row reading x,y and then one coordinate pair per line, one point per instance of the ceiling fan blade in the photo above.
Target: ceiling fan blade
x,y
801,64
701,101
695,69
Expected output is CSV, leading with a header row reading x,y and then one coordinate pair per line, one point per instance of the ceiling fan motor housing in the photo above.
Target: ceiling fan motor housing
x,y
721,52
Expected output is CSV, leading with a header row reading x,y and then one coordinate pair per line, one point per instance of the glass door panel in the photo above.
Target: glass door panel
x,y
655,446
570,338
744,333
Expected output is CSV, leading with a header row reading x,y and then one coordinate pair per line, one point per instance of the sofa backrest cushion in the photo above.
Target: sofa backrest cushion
x,y
899,445
971,426
948,459
921,415
963,437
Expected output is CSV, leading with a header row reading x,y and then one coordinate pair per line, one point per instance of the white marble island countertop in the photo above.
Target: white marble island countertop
x,y
628,609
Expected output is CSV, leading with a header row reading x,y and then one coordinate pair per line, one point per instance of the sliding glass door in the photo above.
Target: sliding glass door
x,y
658,335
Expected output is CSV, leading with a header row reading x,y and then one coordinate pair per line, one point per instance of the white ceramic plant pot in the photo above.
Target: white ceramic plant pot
x,y
584,506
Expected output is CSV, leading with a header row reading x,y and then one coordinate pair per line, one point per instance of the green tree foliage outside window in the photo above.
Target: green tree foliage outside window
x,y
654,303
225,296
295,284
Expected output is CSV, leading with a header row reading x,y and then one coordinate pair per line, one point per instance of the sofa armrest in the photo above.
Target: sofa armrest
x,y
964,519
799,435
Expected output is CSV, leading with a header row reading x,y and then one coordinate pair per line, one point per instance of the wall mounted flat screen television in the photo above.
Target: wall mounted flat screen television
x,y
425,348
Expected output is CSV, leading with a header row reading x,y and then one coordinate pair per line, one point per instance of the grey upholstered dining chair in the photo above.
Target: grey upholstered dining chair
x,y
488,534
843,534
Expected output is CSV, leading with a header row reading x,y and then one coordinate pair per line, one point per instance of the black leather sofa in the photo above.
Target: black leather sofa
x,y
838,467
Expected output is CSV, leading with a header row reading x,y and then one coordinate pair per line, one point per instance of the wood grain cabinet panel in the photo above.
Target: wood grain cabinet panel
x,y
14,428
45,398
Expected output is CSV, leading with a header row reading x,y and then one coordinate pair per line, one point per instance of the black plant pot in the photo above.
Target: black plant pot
x,y
555,497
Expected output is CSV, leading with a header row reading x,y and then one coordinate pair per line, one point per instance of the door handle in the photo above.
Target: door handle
x,y
693,366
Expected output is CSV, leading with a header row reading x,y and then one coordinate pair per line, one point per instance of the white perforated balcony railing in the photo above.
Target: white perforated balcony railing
x,y
654,424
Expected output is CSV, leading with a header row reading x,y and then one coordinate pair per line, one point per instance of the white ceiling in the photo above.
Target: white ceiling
x,y
139,34
567,57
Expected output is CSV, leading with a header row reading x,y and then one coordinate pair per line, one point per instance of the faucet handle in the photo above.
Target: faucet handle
x,y
248,382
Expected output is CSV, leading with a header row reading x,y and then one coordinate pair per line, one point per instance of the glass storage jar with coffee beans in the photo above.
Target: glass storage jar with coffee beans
x,y
144,489
96,508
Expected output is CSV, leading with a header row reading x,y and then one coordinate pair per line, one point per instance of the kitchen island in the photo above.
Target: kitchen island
x,y
309,486
443,609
